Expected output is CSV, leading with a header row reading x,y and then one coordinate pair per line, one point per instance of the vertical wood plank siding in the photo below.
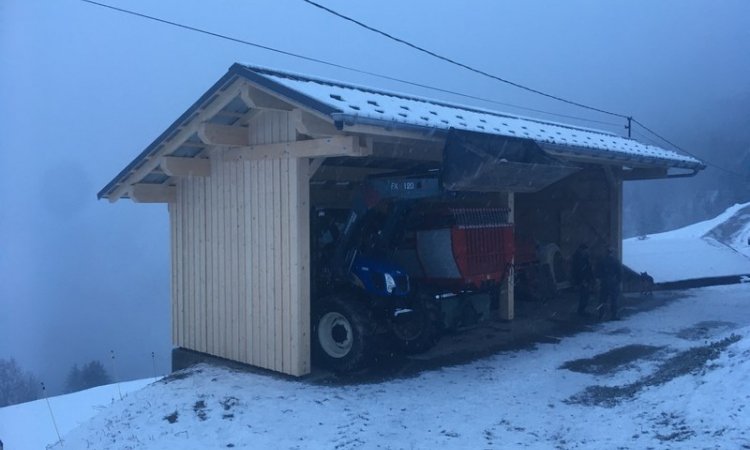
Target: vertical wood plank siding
x,y
240,257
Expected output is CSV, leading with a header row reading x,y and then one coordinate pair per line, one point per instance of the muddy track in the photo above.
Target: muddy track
x,y
611,361
683,363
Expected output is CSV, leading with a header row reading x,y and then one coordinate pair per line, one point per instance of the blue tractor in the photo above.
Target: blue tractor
x,y
395,267
363,298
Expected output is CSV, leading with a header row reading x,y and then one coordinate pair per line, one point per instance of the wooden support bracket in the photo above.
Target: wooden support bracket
x,y
185,167
311,125
258,99
215,134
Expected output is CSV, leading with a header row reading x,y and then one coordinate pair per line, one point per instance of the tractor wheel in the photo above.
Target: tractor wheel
x,y
343,333
415,331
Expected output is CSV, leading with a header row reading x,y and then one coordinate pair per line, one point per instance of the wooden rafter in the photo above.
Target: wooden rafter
x,y
313,148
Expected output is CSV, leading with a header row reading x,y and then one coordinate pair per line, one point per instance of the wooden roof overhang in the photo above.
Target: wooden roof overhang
x,y
346,142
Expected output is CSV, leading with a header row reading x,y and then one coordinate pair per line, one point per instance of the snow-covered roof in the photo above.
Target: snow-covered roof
x,y
347,104
357,104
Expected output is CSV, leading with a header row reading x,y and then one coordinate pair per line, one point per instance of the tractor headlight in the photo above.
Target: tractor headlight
x,y
390,283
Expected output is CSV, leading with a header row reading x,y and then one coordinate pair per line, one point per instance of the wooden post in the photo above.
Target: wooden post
x,y
614,180
506,309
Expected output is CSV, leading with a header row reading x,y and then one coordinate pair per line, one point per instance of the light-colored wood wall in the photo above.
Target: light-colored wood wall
x,y
240,256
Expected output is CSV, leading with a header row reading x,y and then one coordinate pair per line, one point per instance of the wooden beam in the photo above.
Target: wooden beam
x,y
153,193
313,126
193,144
412,150
185,167
507,304
215,134
347,173
257,99
315,165
186,130
432,135
230,114
313,148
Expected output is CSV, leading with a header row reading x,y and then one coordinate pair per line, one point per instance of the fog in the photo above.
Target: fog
x,y
83,90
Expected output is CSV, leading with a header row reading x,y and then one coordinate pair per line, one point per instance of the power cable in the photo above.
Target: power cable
x,y
460,64
645,138
708,163
338,66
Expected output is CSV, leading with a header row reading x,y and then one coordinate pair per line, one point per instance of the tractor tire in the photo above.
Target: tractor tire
x,y
416,333
343,333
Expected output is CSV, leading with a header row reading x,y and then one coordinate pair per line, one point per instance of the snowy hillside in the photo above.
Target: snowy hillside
x,y
673,377
714,248
30,426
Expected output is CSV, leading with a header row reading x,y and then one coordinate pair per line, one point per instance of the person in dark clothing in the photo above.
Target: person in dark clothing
x,y
609,271
583,276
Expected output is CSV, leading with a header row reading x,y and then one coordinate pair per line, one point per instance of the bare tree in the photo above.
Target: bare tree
x,y
16,386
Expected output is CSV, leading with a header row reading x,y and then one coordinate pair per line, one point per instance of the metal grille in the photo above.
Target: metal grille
x,y
480,217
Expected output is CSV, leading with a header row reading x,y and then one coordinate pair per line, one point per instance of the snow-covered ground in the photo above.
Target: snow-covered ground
x,y
714,248
30,425
673,377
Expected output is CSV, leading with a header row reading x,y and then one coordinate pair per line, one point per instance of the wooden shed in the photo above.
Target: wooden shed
x,y
244,166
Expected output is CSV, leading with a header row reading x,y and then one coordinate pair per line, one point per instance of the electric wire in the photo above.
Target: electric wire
x,y
341,66
677,147
645,138
460,64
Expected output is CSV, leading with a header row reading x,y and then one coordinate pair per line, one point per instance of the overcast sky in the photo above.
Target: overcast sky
x,y
84,89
